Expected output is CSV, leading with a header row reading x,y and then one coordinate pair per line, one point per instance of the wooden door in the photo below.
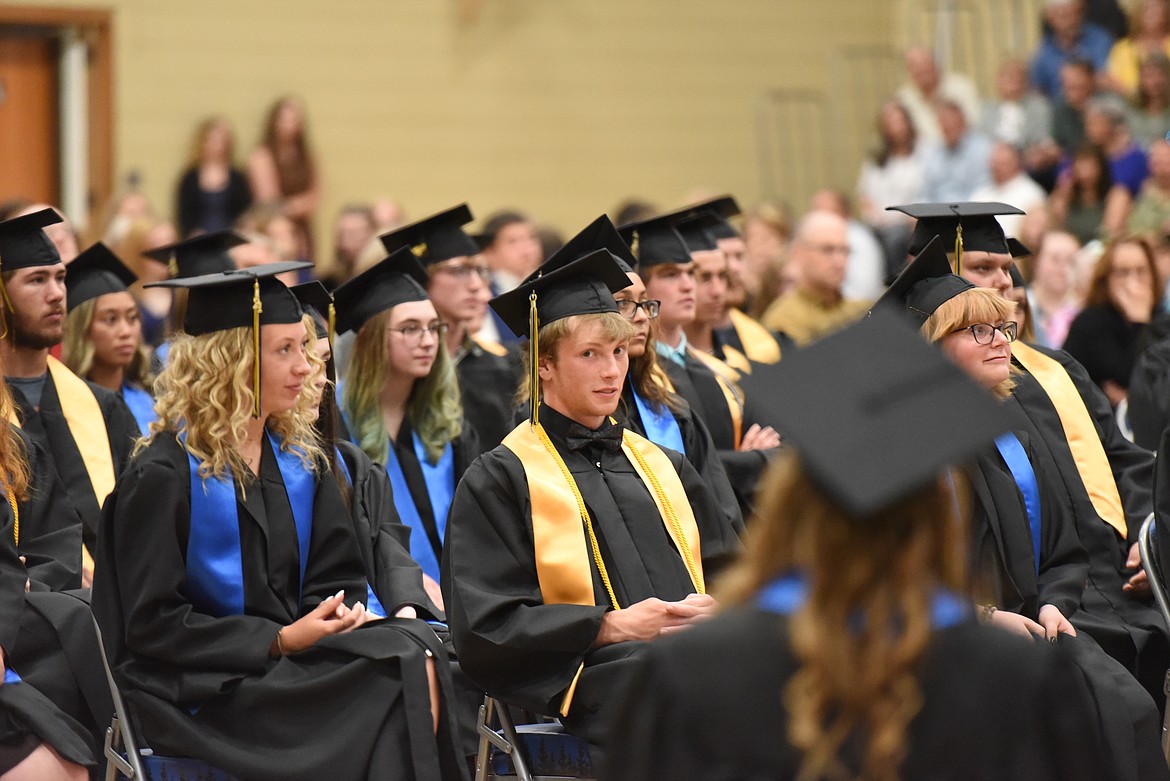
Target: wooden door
x,y
29,153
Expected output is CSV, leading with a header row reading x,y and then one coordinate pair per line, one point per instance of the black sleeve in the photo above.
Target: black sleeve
x,y
1065,568
335,560
702,454
187,202
50,539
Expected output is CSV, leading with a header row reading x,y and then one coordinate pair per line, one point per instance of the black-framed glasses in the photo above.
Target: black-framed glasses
x,y
412,333
629,309
984,333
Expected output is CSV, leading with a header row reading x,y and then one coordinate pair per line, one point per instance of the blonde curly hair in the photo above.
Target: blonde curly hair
x,y
205,394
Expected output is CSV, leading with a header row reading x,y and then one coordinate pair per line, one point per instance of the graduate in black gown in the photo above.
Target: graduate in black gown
x,y
488,373
231,587
572,518
87,430
849,648
401,400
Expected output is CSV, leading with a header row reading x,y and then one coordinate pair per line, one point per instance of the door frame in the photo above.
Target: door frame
x,y
97,27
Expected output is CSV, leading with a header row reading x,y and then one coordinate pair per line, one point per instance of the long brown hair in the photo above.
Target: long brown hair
x,y
295,174
1098,292
853,679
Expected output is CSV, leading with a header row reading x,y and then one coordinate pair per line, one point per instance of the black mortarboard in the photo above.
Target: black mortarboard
x,y
656,241
199,255
318,301
437,238
23,242
94,273
583,286
981,231
391,281
240,298
1017,248
597,235
924,285
875,412
721,209
698,233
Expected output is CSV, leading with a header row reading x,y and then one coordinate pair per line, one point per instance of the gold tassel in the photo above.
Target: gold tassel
x,y
332,322
959,250
257,308
8,310
533,357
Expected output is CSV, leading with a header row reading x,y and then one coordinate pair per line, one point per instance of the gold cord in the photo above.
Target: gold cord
x,y
959,250
257,308
332,321
15,512
533,361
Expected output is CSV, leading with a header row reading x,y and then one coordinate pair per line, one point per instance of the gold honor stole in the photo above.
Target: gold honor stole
x,y
736,360
561,524
87,426
1083,440
759,345
727,379
494,348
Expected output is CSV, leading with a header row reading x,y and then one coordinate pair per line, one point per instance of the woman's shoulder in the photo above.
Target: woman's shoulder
x,y
163,450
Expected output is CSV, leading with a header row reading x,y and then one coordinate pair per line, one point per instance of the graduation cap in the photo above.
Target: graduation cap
x,y
597,235
582,286
391,281
206,253
316,297
698,233
94,273
437,238
656,241
238,299
875,412
968,225
23,243
924,285
718,211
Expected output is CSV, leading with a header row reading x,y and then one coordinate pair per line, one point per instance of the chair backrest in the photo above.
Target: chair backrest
x,y
129,765
1153,566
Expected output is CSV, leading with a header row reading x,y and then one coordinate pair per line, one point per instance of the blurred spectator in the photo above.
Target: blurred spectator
x,y
1106,127
130,240
766,230
1010,184
388,215
550,239
511,248
352,230
891,176
1050,293
283,170
1105,337
928,87
1068,114
958,163
1021,117
63,234
1087,203
212,192
865,275
1149,114
1149,33
634,210
1068,37
1151,211
1107,14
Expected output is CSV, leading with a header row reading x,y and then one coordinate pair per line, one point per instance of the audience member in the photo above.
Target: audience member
x,y
283,170
1051,297
1149,33
866,273
1068,113
1087,203
1149,113
928,87
1010,184
212,192
1021,117
893,174
1151,211
957,164
1106,127
388,214
766,230
1069,37
352,230
512,251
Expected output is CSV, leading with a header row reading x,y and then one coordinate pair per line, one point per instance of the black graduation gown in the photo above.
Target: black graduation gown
x,y
698,447
524,651
354,706
47,427
50,529
707,705
488,384
697,385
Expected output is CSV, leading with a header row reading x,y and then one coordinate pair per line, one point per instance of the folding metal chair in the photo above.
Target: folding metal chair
x,y
1153,568
529,752
124,756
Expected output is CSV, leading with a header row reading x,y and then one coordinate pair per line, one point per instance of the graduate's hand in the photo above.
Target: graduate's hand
x,y
431,586
1017,624
1138,584
86,575
1055,623
652,618
756,438
27,582
358,614
324,620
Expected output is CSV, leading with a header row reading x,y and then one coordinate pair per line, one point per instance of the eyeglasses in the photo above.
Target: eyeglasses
x,y
984,333
629,309
413,334
465,270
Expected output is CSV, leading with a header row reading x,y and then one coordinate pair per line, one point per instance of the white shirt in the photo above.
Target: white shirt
x,y
1020,191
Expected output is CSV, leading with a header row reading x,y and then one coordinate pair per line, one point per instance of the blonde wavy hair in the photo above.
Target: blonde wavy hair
x,y
614,328
885,568
435,407
205,393
975,305
77,349
13,459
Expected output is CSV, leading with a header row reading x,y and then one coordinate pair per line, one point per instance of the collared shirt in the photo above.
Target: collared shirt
x,y
1093,44
676,354
952,174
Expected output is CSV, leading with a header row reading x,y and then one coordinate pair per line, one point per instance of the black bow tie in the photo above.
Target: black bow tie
x,y
608,437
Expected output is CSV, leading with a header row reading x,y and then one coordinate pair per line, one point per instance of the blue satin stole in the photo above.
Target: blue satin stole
x,y
661,427
215,568
141,406
10,676
1016,457
373,604
787,593
440,482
